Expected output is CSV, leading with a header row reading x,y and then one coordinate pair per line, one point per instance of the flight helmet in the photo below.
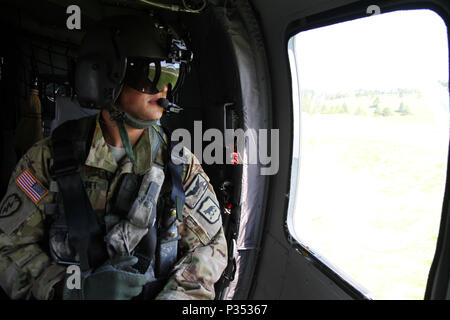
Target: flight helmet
x,y
137,51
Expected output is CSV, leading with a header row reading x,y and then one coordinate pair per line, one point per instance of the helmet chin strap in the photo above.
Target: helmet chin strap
x,y
123,118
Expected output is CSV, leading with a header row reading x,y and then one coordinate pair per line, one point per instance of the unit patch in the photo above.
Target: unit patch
x,y
204,214
195,190
31,186
10,205
209,210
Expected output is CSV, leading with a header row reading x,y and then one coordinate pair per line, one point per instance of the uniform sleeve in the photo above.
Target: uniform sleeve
x,y
26,271
203,244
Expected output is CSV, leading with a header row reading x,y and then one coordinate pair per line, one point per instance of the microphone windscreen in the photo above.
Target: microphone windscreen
x,y
163,102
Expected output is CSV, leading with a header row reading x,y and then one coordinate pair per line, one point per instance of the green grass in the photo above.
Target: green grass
x,y
370,197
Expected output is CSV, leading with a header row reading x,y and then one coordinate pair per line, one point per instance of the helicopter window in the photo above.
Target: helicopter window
x,y
371,121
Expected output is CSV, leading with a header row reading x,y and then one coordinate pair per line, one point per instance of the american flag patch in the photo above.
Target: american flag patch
x,y
31,186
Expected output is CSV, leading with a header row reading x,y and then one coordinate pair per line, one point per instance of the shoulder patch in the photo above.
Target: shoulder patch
x,y
209,210
202,206
31,186
195,190
15,208
10,204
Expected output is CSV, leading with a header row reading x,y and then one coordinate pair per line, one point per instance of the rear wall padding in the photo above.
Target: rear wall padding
x,y
233,69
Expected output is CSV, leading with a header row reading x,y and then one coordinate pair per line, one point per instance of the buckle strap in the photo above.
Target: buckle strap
x,y
84,232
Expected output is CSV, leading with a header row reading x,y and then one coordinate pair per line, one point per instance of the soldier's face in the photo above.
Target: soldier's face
x,y
142,106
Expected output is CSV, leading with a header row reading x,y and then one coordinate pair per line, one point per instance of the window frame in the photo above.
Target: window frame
x,y
328,18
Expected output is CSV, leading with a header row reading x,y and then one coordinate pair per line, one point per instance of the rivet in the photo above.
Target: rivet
x,y
173,212
172,234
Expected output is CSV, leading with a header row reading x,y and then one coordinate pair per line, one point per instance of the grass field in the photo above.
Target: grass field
x,y
370,196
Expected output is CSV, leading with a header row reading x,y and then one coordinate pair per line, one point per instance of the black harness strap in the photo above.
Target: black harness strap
x,y
176,172
69,150
168,240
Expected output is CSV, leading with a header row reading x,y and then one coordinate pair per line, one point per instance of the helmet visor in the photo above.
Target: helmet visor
x,y
151,76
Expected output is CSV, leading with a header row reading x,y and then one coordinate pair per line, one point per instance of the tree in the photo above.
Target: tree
x,y
334,110
306,107
324,109
376,102
378,111
360,112
404,110
387,112
344,108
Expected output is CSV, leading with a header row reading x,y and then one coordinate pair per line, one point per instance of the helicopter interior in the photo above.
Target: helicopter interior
x,y
240,78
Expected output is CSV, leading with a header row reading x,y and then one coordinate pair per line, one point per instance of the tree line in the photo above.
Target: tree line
x,y
375,109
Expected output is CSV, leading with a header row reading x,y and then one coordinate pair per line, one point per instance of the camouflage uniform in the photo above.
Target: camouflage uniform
x,y
26,267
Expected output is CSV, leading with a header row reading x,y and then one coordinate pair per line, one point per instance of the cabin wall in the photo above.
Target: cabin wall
x,y
284,270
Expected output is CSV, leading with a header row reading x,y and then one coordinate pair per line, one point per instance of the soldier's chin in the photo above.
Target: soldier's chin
x,y
154,114
157,112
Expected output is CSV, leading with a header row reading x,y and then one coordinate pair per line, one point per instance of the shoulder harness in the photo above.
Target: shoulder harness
x,y
158,248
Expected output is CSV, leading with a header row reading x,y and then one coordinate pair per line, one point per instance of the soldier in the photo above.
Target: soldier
x,y
105,192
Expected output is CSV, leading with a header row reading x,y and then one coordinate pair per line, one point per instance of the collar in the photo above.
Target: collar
x,y
100,157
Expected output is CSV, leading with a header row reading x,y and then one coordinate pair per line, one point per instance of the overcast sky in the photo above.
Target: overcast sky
x,y
402,49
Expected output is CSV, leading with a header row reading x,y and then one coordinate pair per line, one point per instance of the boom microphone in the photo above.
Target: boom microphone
x,y
168,106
